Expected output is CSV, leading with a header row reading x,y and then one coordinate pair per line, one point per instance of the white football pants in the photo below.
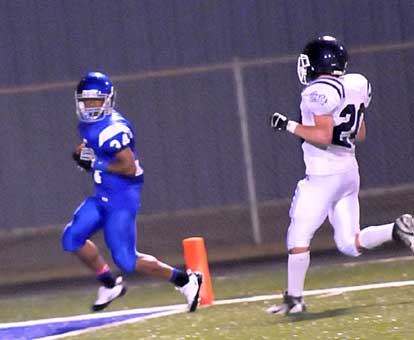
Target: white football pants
x,y
317,197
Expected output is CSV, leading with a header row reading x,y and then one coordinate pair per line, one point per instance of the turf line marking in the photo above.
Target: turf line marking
x,y
91,316
338,290
114,324
386,260
55,328
155,312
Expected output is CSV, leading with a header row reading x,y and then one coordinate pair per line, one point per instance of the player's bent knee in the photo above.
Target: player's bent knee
x,y
125,262
70,242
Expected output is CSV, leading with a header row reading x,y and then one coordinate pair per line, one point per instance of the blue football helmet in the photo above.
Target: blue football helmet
x,y
98,86
325,55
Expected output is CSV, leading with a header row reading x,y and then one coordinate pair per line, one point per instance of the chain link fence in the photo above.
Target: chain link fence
x,y
213,166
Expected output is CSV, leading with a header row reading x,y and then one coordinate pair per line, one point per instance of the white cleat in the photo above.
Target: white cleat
x,y
191,290
404,230
107,295
289,305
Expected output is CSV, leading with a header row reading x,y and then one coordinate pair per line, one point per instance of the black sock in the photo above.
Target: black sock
x,y
179,277
107,279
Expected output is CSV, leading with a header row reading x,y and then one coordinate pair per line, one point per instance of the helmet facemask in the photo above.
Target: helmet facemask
x,y
95,113
303,68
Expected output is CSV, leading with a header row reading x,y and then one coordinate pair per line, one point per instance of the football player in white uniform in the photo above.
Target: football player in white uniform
x,y
332,109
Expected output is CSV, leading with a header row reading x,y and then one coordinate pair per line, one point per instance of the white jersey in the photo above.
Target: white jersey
x,y
346,98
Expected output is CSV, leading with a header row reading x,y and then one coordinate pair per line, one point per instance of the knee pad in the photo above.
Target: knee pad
x,y
125,261
70,242
294,239
348,248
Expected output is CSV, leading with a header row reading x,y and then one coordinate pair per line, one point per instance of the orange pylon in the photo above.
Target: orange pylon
x,y
196,259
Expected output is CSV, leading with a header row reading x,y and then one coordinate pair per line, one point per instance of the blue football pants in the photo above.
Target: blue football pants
x,y
116,215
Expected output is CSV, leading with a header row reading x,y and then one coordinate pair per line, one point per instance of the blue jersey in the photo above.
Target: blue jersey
x,y
107,137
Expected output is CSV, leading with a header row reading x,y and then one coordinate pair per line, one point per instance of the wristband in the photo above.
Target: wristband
x,y
291,126
100,165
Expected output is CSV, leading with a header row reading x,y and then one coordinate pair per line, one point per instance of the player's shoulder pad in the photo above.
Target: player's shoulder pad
x,y
323,95
113,130
328,86
360,82
356,78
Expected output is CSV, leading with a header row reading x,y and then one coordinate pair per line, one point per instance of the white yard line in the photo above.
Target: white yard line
x,y
338,290
175,309
92,316
133,320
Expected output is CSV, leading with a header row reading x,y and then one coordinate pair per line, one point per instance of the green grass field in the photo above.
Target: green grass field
x,y
385,313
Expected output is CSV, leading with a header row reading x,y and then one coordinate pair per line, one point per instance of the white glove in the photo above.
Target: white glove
x,y
87,154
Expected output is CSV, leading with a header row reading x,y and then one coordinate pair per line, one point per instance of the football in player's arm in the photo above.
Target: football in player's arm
x,y
332,108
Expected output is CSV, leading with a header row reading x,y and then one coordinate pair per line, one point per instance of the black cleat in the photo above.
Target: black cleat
x,y
403,230
289,305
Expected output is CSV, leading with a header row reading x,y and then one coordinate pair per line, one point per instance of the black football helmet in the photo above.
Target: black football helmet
x,y
325,55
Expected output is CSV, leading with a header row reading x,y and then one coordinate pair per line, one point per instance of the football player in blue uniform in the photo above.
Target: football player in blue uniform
x,y
332,109
108,152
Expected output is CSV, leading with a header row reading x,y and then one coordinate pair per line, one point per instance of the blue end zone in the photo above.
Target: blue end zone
x,y
49,327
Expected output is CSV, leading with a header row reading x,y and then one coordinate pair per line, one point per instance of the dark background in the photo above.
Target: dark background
x,y
171,62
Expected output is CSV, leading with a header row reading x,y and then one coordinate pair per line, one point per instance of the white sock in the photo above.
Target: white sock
x,y
298,265
374,236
